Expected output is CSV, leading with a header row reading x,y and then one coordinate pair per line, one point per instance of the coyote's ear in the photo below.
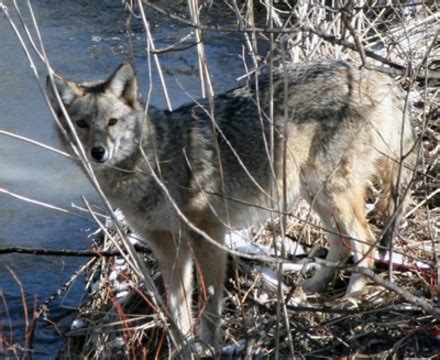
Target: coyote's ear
x,y
68,91
123,84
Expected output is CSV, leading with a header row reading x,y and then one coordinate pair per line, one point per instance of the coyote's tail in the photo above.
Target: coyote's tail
x,y
396,172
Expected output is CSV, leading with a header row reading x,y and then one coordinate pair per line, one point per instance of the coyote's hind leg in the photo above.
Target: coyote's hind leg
x,y
343,213
338,252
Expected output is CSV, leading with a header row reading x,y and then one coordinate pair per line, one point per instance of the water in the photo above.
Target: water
x,y
84,40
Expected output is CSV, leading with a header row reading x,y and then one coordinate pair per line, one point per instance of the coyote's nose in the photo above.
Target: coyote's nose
x,y
99,153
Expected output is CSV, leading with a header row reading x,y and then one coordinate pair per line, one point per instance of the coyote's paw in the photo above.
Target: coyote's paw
x,y
357,283
311,286
201,350
318,282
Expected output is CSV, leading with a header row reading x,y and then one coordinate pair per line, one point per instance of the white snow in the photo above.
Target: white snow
x,y
234,349
77,324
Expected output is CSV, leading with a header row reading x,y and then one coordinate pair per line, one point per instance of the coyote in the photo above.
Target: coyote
x,y
183,178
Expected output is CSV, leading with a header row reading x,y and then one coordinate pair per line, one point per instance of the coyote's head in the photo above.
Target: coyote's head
x,y
107,115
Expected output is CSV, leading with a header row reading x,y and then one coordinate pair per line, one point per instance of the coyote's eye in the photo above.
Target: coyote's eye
x,y
81,123
112,121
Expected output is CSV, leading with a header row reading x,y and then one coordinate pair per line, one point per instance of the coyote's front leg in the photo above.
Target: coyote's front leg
x,y
175,259
211,267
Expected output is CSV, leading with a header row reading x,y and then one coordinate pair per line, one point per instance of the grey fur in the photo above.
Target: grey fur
x,y
343,128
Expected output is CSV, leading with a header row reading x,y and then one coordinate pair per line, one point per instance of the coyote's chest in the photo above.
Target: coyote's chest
x,y
139,197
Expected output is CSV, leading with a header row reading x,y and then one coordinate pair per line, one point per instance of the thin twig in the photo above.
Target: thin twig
x,y
66,252
411,298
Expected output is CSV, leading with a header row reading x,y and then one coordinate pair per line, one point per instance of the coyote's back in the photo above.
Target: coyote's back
x,y
323,131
